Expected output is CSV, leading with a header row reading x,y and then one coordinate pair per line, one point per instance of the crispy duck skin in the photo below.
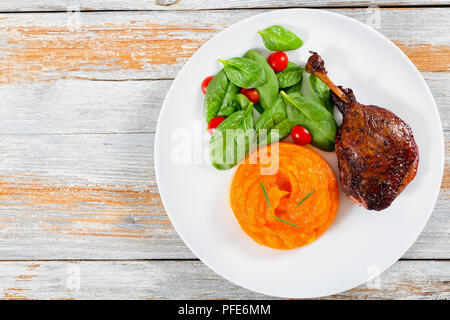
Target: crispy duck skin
x,y
376,151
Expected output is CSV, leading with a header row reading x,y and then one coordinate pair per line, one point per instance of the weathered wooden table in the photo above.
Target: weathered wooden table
x,y
81,87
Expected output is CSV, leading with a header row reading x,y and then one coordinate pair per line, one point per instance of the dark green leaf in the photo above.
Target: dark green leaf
x,y
290,76
321,92
244,72
294,88
276,133
228,105
215,94
314,117
268,92
232,139
277,38
242,101
272,116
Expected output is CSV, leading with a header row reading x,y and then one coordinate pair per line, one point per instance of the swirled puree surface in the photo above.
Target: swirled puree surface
x,y
279,221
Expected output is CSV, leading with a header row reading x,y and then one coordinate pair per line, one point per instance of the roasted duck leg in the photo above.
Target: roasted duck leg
x,y
376,151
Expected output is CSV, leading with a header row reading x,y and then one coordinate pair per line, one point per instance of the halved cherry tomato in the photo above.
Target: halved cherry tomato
x,y
205,83
213,123
278,61
251,94
300,135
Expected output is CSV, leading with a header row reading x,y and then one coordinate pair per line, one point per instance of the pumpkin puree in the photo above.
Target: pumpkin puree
x,y
301,171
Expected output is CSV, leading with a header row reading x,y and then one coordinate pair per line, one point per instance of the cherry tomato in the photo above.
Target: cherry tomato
x,y
213,123
205,83
251,94
300,135
278,61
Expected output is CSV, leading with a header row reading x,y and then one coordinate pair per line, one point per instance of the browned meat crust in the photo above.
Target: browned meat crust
x,y
376,151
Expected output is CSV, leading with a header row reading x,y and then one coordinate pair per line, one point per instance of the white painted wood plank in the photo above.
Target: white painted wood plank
x,y
55,5
192,280
94,196
155,45
80,106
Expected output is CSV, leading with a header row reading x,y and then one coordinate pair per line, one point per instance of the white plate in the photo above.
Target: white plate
x,y
359,244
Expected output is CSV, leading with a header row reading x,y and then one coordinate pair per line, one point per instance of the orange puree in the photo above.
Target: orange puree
x,y
301,171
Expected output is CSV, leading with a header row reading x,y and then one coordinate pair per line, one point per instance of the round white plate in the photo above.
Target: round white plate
x,y
360,244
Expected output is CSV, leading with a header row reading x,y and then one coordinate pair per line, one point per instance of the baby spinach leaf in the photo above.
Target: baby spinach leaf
x,y
277,38
268,92
242,101
228,105
272,116
277,133
321,92
290,76
244,72
215,94
294,88
314,117
232,139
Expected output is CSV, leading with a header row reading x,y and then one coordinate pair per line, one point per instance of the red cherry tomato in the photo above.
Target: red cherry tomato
x,y
206,82
278,61
213,123
251,94
300,135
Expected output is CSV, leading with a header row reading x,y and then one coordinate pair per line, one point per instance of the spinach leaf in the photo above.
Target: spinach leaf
x,y
228,105
232,139
294,88
242,101
321,92
277,133
314,117
272,116
268,92
290,76
215,94
244,72
277,38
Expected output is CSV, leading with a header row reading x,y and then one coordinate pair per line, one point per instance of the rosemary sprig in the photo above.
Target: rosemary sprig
x,y
307,196
268,203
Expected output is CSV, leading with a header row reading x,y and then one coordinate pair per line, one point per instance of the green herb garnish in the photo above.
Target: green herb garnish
x,y
268,203
303,200
286,222
265,194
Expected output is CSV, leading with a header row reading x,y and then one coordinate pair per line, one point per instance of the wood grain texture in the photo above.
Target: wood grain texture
x,y
80,106
94,196
56,5
155,45
192,280
77,176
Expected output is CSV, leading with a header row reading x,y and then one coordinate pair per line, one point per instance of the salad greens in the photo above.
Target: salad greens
x,y
228,105
290,76
271,117
268,92
284,102
232,139
277,38
276,133
215,95
314,117
244,72
241,101
321,92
